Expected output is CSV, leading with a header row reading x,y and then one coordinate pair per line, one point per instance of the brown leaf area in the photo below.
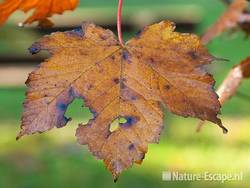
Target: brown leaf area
x,y
233,80
159,67
231,83
245,67
230,19
245,27
42,9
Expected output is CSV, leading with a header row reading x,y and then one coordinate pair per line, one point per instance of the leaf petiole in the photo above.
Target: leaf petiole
x,y
119,22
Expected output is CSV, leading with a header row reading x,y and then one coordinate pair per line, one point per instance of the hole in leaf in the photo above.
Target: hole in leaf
x,y
122,120
78,112
116,124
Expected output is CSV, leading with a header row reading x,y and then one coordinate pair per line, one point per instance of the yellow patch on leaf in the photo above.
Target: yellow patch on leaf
x,y
42,9
124,85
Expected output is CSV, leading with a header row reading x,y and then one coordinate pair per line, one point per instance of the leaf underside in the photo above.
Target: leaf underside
x,y
159,67
42,9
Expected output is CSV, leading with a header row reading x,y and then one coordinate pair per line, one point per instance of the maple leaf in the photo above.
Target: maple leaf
x,y
43,9
231,83
234,16
157,67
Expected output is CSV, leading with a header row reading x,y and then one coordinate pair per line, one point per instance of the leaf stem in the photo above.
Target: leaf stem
x,y
119,22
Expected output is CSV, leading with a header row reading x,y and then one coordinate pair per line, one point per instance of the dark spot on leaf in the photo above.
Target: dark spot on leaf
x,y
93,112
125,55
108,134
61,106
35,48
138,34
116,80
130,120
128,94
192,54
167,87
131,147
78,31
90,86
133,97
150,60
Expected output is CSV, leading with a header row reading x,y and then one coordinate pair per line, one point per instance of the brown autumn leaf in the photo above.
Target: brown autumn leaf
x,y
245,27
244,24
43,9
231,83
231,18
158,67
